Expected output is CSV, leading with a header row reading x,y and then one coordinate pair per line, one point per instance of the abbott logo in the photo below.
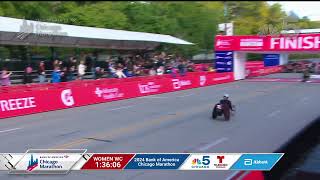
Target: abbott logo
x,y
67,98
203,80
247,162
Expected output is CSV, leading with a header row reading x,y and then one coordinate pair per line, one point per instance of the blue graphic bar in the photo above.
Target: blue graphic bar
x,y
256,161
157,161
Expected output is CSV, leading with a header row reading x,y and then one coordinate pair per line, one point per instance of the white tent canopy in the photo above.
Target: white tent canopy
x,y
26,32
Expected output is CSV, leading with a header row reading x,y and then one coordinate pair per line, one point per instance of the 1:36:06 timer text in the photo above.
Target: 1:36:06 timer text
x,y
108,164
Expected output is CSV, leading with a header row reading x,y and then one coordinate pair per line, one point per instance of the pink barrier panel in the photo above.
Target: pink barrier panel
x,y
81,93
200,67
254,64
253,72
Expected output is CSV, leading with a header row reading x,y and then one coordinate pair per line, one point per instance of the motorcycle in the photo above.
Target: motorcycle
x,y
220,110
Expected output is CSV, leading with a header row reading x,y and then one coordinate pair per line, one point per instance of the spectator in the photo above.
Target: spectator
x,y
81,70
107,66
90,64
210,69
98,72
72,63
56,76
55,63
64,74
174,72
27,78
160,70
181,68
5,77
112,70
41,72
119,73
70,74
190,67
152,72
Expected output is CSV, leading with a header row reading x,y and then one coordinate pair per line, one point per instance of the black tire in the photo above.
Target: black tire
x,y
214,115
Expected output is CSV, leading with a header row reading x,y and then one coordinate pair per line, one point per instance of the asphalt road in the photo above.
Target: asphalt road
x,y
268,115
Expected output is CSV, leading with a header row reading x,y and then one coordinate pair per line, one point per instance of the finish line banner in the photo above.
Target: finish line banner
x,y
62,161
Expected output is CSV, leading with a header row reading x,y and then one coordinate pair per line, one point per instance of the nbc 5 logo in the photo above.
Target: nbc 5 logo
x,y
206,160
67,98
199,162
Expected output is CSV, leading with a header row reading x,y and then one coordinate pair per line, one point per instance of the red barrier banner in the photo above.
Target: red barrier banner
x,y
254,64
40,98
301,42
253,72
202,67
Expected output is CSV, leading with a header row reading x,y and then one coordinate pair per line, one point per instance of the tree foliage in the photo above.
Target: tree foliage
x,y
193,21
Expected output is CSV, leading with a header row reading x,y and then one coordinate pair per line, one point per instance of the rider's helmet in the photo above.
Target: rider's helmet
x,y
226,96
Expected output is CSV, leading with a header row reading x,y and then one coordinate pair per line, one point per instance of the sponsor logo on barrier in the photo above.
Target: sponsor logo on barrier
x,y
177,84
67,98
17,104
203,80
150,87
224,63
253,42
222,78
224,42
220,163
224,57
107,93
224,69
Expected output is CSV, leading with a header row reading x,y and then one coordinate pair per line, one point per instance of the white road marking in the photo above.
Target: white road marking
x,y
8,130
214,143
154,97
305,99
185,95
274,113
124,107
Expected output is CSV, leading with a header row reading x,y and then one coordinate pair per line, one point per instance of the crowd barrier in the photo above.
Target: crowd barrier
x,y
258,71
36,98
201,67
254,64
